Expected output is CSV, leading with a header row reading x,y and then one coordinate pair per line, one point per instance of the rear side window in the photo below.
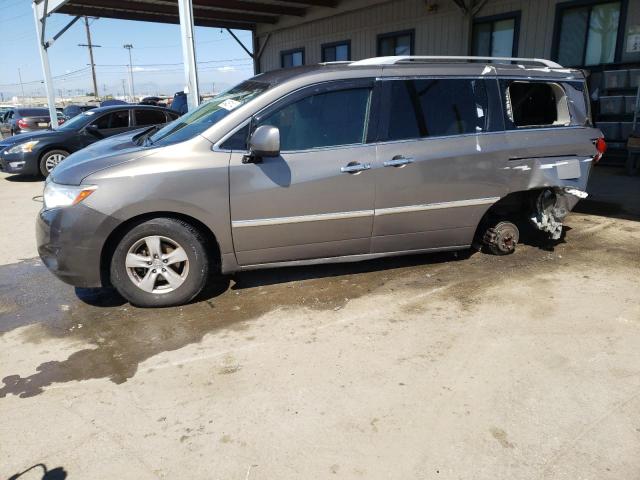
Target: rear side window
x,y
535,104
435,107
149,117
322,120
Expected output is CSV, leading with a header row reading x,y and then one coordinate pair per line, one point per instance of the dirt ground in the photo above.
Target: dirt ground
x,y
425,367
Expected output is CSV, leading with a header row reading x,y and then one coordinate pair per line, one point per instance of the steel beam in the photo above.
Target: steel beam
x,y
128,6
46,68
189,53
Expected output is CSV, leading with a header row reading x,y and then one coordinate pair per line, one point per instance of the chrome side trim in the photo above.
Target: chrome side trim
x,y
437,206
263,222
350,258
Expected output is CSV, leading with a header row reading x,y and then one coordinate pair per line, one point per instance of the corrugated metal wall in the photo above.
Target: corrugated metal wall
x,y
440,32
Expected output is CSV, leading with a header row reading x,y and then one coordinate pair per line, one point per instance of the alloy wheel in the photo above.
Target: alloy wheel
x,y
53,160
157,264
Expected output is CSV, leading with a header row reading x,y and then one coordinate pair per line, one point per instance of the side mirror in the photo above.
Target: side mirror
x,y
93,130
264,142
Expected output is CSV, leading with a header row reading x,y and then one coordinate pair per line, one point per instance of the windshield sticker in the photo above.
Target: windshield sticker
x,y
229,104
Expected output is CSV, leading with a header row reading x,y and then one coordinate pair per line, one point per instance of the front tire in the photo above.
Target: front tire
x,y
160,263
50,160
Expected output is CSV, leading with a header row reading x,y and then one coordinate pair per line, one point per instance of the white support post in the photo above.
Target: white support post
x,y
185,8
46,69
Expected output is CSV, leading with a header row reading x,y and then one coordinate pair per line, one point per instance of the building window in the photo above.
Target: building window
x,y
396,43
336,52
496,36
292,58
587,34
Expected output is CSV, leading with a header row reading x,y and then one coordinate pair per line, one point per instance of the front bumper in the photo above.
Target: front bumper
x,y
70,242
19,163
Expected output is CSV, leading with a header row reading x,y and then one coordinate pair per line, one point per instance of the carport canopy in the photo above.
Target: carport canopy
x,y
229,14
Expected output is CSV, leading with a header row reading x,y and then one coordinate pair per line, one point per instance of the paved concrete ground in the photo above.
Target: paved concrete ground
x,y
20,201
429,367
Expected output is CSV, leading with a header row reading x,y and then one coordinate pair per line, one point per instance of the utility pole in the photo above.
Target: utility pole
x,y
128,46
21,85
124,89
90,46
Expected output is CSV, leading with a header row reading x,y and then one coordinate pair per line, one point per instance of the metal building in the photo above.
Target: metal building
x,y
578,33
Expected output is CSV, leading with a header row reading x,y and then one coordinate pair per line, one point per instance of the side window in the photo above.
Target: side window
x,y
149,117
119,119
322,120
102,123
237,141
435,107
535,104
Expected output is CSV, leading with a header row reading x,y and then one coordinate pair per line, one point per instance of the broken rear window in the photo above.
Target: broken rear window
x,y
536,104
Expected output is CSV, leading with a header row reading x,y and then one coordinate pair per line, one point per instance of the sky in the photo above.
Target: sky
x,y
157,55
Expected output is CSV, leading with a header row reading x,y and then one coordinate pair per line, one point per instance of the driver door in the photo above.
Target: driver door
x,y
315,200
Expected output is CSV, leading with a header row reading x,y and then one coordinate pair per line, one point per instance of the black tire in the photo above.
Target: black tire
x,y
181,233
46,157
502,238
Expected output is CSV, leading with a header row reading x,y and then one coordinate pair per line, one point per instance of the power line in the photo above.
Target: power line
x,y
63,76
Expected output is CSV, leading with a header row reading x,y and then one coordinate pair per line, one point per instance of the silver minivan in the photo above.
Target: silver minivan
x,y
327,163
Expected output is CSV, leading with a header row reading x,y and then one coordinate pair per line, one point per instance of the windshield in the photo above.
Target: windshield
x,y
197,121
77,122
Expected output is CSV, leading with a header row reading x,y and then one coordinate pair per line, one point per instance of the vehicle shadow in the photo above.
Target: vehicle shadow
x,y
217,286
57,473
273,276
23,179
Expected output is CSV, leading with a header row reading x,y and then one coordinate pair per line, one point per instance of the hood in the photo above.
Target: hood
x,y
25,137
98,156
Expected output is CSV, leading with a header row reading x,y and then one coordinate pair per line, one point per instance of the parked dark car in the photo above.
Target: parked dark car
x,y
71,111
39,152
26,119
158,101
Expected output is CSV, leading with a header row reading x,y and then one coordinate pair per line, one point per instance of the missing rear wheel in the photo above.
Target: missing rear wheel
x,y
502,238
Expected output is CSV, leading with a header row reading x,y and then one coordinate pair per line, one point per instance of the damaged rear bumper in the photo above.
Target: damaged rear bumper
x,y
551,207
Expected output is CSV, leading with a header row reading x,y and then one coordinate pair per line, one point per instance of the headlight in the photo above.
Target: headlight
x,y
25,147
56,195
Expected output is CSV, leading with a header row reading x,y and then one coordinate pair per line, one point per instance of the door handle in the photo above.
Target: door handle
x,y
398,161
354,167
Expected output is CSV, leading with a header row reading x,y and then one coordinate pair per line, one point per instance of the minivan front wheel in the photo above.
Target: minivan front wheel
x,y
160,263
50,160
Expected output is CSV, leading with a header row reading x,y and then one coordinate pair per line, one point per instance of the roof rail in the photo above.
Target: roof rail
x,y
393,60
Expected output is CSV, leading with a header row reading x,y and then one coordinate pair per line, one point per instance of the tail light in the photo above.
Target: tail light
x,y
22,124
601,147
